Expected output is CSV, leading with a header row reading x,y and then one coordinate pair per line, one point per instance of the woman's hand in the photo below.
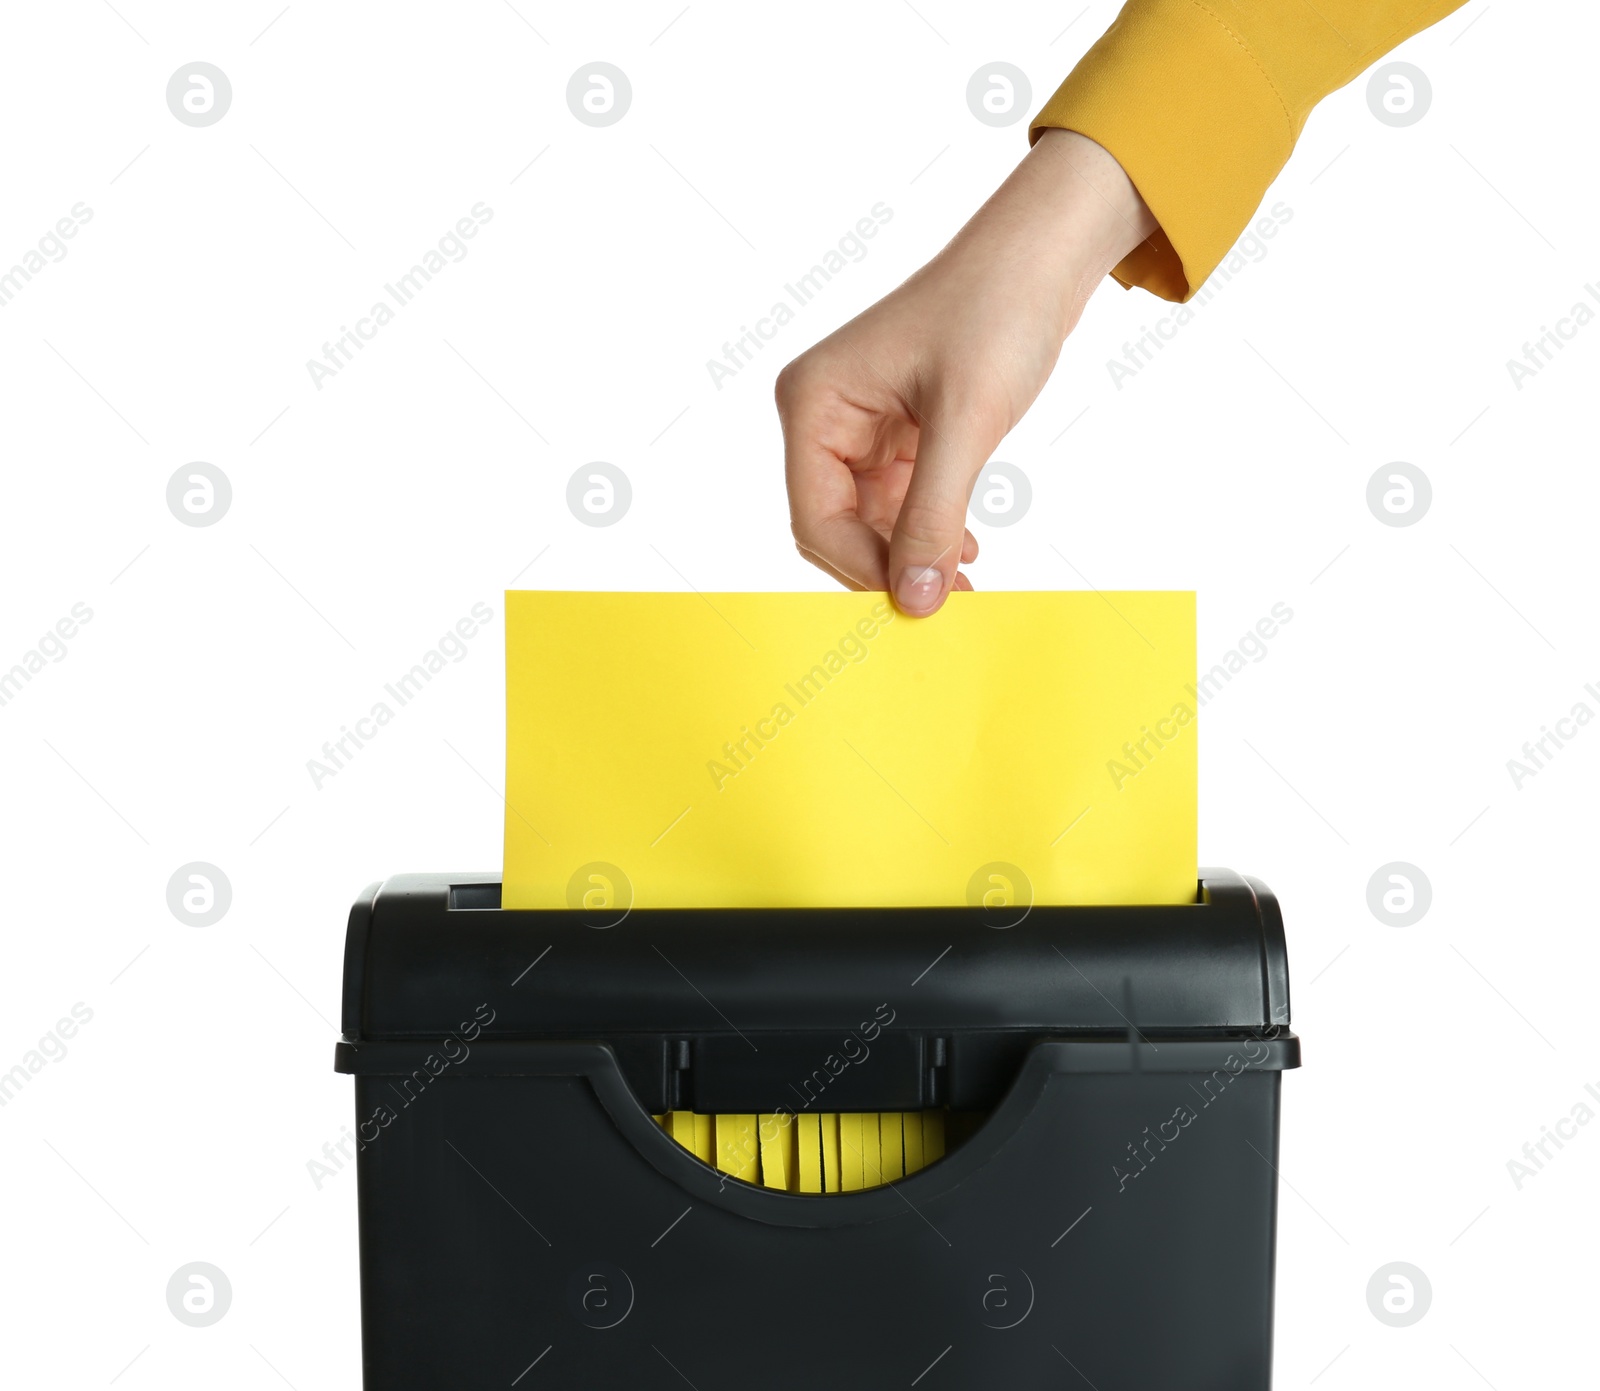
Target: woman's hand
x,y
888,421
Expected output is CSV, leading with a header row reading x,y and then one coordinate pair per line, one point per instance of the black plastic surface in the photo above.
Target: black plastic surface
x,y
735,1010
524,1221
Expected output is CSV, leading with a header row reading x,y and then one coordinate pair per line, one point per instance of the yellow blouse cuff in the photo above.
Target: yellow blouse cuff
x,y
1188,111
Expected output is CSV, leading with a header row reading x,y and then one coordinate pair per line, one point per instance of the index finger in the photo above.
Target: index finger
x,y
824,509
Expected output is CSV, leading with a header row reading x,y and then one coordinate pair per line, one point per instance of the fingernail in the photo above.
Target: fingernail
x,y
920,589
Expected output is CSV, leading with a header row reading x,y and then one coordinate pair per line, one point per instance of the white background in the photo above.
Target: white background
x,y
368,516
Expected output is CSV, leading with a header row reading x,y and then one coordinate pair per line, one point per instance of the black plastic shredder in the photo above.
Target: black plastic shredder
x,y
1108,1221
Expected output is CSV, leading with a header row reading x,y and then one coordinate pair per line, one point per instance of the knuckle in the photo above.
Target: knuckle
x,y
804,531
791,383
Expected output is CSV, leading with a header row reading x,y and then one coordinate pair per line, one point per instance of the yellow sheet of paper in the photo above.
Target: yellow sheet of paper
x,y
819,750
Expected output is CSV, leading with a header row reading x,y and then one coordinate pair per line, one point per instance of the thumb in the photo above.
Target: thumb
x,y
930,534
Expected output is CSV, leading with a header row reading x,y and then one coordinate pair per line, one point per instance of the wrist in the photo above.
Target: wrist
x,y
1073,212
1093,192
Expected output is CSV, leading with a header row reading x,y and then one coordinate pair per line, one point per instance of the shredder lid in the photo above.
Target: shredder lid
x,y
425,951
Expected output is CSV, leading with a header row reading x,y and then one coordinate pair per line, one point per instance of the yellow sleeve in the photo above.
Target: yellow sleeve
x,y
1202,104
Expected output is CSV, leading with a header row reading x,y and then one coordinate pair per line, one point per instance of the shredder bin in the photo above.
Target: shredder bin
x,y
524,1221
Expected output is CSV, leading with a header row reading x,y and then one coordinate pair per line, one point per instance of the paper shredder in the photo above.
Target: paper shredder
x,y
1109,1219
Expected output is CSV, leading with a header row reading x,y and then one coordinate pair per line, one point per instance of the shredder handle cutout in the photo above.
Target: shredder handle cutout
x,y
597,1063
